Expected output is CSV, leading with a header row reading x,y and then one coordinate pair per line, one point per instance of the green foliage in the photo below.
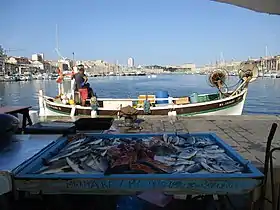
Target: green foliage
x,y
2,51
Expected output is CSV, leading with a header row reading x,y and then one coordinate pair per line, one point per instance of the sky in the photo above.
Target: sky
x,y
151,31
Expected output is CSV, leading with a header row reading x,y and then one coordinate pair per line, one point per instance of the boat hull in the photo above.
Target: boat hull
x,y
228,106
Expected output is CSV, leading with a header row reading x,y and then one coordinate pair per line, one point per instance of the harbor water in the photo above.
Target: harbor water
x,y
263,96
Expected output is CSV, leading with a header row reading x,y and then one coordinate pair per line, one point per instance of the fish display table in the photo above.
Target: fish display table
x,y
196,174
18,150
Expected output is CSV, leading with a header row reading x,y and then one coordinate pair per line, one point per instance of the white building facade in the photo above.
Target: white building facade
x,y
130,62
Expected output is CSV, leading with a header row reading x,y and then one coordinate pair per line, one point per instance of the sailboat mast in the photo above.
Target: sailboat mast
x,y
56,36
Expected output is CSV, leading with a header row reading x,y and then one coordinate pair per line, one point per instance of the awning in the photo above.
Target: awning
x,y
263,6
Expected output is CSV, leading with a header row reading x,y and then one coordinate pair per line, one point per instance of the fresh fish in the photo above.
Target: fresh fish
x,y
178,141
75,154
210,169
171,140
168,158
211,147
197,159
188,140
231,166
214,151
203,142
88,169
163,150
82,159
206,155
214,164
159,154
101,163
75,167
56,170
183,162
96,141
193,168
165,137
76,141
188,153
178,169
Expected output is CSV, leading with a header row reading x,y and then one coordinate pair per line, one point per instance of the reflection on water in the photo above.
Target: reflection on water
x,y
263,94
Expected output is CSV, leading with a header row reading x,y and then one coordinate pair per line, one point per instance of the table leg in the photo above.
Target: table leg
x,y
26,117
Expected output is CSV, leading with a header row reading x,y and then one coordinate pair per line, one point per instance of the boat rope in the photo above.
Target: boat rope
x,y
238,82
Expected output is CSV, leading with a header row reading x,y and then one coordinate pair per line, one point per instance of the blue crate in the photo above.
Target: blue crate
x,y
200,183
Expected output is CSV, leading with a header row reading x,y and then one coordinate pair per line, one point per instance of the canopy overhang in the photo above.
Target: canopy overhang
x,y
263,6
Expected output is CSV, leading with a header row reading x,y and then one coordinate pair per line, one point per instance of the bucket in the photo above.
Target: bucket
x,y
162,94
34,116
194,98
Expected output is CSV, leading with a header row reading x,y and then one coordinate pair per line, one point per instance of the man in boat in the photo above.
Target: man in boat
x,y
80,80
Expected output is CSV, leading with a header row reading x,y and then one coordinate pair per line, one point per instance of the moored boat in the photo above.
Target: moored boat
x,y
224,102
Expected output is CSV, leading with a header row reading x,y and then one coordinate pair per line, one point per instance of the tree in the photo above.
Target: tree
x,y
2,52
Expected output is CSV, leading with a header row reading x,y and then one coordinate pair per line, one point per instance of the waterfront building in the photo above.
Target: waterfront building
x,y
130,62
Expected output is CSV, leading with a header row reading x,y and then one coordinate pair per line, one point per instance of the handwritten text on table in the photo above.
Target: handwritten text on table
x,y
151,184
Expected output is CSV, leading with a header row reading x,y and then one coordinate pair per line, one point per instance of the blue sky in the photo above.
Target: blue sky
x,y
151,31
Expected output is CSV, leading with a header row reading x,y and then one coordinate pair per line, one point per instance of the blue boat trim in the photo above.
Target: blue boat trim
x,y
233,183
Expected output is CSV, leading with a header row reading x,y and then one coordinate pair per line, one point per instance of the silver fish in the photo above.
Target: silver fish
x,y
206,155
88,168
210,169
183,162
193,168
231,166
178,141
211,147
165,137
203,142
179,168
214,151
56,170
75,167
187,153
197,159
188,140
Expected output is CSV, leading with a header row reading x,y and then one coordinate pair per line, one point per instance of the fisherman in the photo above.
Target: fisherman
x,y
80,80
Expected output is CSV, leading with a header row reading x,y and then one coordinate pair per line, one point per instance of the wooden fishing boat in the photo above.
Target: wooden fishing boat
x,y
224,102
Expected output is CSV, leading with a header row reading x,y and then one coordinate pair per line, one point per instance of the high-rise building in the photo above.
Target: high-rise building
x,y
37,57
130,62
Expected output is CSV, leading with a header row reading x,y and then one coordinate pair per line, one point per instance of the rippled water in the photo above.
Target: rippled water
x,y
263,97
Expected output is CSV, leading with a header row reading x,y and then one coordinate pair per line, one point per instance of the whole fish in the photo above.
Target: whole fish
x,y
231,166
183,162
75,167
214,151
207,155
210,169
165,138
188,140
211,147
163,150
56,170
198,159
203,142
187,153
179,169
193,168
